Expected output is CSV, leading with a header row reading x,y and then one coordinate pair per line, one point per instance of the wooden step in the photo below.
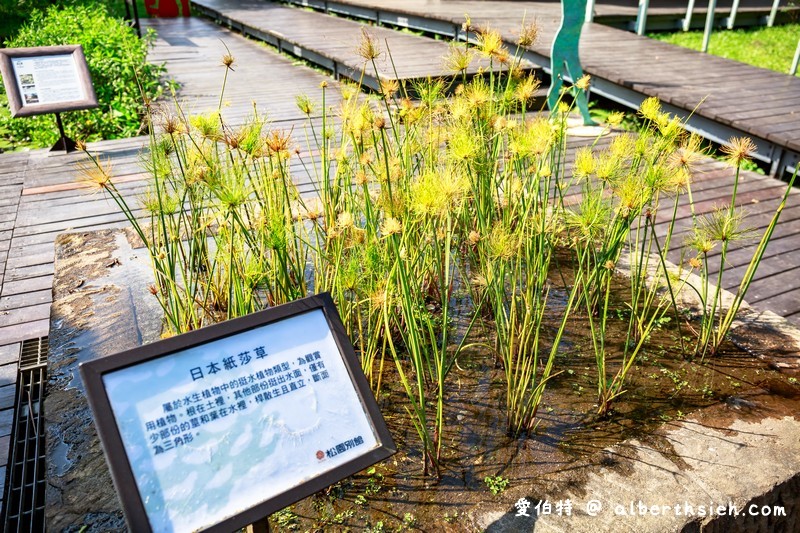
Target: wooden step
x,y
332,42
719,98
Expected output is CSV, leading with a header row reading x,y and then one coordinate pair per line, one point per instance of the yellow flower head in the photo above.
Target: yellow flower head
x,y
739,149
227,61
688,154
650,108
528,34
462,145
208,125
490,43
95,174
368,46
526,90
615,118
344,220
622,146
535,138
304,104
436,194
458,59
503,244
389,86
584,162
467,25
583,83
391,226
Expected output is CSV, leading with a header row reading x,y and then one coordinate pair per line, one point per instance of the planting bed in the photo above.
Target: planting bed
x,y
506,290
572,445
685,432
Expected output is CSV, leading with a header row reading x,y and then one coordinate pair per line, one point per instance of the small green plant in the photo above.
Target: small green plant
x,y
719,229
678,381
409,520
496,484
378,527
285,519
342,517
374,482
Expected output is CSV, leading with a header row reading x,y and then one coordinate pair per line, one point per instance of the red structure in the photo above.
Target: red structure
x,y
167,8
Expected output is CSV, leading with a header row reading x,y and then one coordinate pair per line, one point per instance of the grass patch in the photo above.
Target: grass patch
x,y
771,48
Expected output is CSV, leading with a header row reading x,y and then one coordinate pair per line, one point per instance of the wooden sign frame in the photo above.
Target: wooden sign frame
x,y
24,90
96,373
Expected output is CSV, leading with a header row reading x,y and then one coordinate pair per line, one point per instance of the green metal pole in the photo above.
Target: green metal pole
x,y
773,13
687,22
732,17
712,6
641,17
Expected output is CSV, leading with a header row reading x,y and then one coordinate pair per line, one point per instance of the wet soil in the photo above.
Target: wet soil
x,y
570,440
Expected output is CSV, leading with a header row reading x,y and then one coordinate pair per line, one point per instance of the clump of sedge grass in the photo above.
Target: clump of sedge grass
x,y
462,195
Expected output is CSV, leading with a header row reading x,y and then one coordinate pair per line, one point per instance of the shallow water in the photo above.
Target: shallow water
x,y
663,387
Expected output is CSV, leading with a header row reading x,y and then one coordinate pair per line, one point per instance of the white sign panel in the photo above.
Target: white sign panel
x,y
48,79
220,427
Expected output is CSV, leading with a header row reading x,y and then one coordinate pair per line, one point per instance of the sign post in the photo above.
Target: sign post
x,y
47,79
64,143
216,429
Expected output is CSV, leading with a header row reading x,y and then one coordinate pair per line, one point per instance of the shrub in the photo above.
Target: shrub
x,y
15,13
117,61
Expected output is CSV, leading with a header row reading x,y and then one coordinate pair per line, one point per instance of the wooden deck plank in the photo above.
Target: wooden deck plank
x,y
772,265
679,76
26,299
38,283
22,315
9,353
5,442
8,375
6,415
784,303
337,39
27,330
27,272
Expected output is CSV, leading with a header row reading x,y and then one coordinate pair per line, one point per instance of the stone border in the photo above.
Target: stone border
x,y
741,458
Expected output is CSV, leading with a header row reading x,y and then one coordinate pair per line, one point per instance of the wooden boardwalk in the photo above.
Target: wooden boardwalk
x,y
40,193
332,42
669,14
721,98
41,198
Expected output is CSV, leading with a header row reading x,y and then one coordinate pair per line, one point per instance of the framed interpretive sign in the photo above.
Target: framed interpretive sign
x,y
217,428
46,79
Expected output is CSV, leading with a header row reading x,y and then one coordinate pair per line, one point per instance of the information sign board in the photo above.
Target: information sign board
x,y
46,79
217,428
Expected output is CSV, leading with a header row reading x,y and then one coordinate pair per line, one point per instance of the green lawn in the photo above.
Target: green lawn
x,y
771,48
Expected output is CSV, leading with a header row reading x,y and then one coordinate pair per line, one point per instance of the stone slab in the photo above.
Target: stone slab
x,y
100,307
718,470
